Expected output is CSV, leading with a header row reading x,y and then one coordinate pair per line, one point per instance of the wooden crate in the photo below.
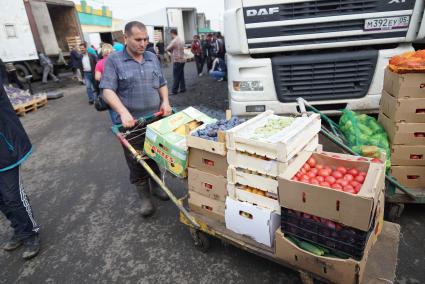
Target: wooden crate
x,y
265,165
33,105
237,192
252,179
73,41
283,145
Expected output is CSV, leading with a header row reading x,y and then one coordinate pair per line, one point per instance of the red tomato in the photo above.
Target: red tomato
x,y
354,183
342,170
319,166
376,160
330,179
324,172
349,189
305,177
311,162
348,177
359,178
357,188
362,159
299,175
306,167
328,169
311,174
342,181
314,170
337,174
337,186
325,184
314,181
320,178
303,171
353,172
362,174
295,179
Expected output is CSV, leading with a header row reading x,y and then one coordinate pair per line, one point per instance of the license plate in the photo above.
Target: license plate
x,y
389,23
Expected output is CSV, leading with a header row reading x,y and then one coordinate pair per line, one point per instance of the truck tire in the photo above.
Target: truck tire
x,y
22,71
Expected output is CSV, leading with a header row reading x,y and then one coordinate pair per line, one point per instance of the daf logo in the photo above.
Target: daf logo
x,y
397,1
265,11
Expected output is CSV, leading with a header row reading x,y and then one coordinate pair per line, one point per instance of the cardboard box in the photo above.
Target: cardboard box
x,y
165,141
352,210
209,185
410,85
211,208
246,219
403,133
409,176
403,109
252,179
335,270
208,162
238,193
408,155
265,165
282,146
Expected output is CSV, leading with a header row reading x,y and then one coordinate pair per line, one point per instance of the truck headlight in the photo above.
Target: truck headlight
x,y
248,86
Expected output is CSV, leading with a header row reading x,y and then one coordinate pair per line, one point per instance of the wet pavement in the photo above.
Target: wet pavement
x,y
91,230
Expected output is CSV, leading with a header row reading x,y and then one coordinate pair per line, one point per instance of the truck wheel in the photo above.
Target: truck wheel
x,y
22,71
394,211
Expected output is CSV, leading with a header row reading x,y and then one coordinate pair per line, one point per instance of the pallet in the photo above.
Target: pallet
x,y
33,105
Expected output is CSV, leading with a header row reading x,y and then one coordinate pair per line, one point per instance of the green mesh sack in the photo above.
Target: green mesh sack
x,y
365,135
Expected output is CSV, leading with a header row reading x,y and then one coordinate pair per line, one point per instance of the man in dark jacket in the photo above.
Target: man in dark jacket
x,y
75,64
87,66
15,147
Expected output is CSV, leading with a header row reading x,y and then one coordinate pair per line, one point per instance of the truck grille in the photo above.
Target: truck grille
x,y
324,76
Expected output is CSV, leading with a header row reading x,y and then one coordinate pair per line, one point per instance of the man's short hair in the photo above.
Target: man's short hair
x,y
130,25
84,44
173,31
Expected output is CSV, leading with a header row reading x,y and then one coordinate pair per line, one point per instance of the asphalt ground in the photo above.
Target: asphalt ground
x,y
91,230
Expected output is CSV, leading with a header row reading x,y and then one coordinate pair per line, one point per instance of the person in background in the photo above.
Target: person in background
x,y
221,48
75,64
118,46
47,68
100,67
134,86
176,47
150,47
15,148
88,65
61,58
196,49
218,70
91,50
161,53
207,51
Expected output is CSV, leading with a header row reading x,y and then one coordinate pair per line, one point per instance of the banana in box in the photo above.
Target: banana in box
x,y
165,141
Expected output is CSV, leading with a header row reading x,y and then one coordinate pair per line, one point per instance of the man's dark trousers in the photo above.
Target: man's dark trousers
x,y
178,75
14,204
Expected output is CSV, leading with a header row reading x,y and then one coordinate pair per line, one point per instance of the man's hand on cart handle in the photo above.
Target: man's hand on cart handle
x,y
127,120
165,109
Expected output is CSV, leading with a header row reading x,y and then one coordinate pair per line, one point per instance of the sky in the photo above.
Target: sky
x,y
128,9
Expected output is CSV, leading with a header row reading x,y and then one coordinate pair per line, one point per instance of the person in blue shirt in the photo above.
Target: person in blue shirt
x,y
118,46
15,148
218,69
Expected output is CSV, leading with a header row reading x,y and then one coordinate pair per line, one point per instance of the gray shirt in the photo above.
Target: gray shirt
x,y
136,84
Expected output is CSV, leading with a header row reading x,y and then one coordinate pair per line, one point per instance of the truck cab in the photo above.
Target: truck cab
x,y
331,53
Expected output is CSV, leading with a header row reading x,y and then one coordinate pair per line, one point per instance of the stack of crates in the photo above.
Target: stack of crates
x,y
402,113
252,205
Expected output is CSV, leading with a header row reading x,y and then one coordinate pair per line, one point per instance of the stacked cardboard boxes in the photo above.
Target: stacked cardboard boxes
x,y
207,176
252,206
402,113
338,223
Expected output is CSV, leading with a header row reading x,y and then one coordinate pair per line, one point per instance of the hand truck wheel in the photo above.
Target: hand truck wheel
x,y
201,240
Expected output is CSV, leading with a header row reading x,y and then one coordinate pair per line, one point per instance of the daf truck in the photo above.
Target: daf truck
x,y
332,53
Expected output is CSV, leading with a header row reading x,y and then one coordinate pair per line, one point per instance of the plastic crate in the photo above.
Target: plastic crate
x,y
341,240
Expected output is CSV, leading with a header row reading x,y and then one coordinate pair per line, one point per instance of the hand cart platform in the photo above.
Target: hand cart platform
x,y
381,264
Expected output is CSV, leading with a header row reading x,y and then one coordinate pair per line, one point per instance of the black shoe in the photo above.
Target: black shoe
x,y
182,91
147,208
12,244
32,247
91,102
173,93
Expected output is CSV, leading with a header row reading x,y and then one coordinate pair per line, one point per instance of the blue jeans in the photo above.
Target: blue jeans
x,y
114,116
178,76
88,80
217,74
